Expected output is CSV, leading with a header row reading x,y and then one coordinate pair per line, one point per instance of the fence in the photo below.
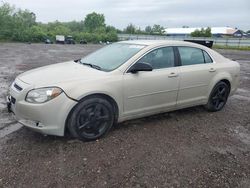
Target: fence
x,y
237,42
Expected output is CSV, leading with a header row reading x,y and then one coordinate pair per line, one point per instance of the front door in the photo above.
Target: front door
x,y
154,91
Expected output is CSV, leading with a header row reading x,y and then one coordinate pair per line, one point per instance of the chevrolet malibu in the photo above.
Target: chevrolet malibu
x,y
122,81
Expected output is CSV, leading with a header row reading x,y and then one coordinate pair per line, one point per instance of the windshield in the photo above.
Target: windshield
x,y
112,56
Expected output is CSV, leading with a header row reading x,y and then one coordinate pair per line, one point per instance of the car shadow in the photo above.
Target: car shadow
x,y
31,136
173,115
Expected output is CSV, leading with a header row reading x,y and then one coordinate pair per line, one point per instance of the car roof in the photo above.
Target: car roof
x,y
157,42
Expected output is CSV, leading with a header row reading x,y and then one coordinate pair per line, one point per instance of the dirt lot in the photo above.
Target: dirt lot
x,y
186,148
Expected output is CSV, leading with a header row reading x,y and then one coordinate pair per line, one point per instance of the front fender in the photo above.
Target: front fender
x,y
109,87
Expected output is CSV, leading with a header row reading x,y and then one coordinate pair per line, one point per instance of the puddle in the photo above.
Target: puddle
x,y
243,90
243,134
224,151
243,61
245,78
240,97
10,129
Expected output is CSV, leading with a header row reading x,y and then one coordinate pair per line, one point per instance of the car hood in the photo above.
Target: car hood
x,y
60,73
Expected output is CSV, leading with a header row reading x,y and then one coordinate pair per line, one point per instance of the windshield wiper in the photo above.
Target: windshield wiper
x,y
91,65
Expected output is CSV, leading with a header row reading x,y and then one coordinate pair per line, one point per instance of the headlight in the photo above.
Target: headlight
x,y
42,95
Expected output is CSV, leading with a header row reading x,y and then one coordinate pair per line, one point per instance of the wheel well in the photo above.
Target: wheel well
x,y
107,97
227,82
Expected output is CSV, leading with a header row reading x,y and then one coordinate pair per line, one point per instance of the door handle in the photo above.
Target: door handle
x,y
212,70
172,74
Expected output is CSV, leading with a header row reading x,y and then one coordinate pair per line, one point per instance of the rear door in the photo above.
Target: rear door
x,y
196,71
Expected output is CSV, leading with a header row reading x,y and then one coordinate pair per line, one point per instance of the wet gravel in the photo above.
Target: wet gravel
x,y
185,148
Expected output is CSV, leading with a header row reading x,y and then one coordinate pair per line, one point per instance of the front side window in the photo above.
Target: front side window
x,y
159,58
112,56
191,56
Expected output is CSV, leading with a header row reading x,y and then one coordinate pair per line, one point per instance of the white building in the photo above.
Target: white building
x,y
216,31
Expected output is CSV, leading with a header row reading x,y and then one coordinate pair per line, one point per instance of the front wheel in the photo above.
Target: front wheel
x,y
91,119
218,97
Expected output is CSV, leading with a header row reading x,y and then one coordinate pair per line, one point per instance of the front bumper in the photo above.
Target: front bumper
x,y
46,118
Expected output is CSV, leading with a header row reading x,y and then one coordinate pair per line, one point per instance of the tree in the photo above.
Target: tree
x,y
148,29
138,31
60,30
130,29
208,32
202,33
36,33
20,25
158,29
75,26
94,21
6,21
25,18
14,23
110,29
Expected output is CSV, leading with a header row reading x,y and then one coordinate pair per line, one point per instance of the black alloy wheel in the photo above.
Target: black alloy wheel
x,y
91,119
218,97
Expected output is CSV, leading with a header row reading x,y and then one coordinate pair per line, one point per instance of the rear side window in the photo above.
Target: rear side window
x,y
191,56
208,59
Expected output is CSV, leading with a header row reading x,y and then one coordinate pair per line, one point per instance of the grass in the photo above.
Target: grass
x,y
246,48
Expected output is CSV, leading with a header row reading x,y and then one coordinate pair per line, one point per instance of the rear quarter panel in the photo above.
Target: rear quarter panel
x,y
226,70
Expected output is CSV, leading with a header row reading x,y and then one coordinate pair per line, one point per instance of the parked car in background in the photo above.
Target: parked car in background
x,y
48,41
83,41
122,81
60,39
69,40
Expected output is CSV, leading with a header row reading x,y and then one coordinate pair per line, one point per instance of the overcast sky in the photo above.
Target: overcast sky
x,y
168,13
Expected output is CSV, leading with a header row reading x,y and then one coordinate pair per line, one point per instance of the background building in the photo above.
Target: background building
x,y
216,32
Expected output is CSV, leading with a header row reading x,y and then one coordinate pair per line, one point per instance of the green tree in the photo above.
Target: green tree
x,y
22,20
37,33
110,29
25,18
94,21
130,29
61,30
202,33
158,29
75,26
148,29
6,21
20,25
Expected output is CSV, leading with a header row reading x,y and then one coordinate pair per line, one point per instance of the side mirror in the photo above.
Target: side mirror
x,y
140,67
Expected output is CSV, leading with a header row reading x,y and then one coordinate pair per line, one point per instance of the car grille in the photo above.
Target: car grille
x,y
18,87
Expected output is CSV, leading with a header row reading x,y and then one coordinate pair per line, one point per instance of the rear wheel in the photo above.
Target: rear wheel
x,y
218,97
91,119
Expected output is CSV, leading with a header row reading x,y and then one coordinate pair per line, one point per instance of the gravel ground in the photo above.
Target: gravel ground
x,y
185,148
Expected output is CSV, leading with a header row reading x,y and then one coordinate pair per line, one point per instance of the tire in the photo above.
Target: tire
x,y
91,119
218,97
